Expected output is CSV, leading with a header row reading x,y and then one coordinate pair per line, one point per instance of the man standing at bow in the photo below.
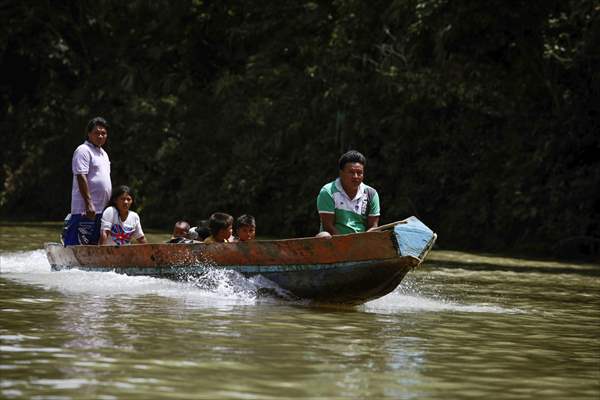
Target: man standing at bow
x,y
91,188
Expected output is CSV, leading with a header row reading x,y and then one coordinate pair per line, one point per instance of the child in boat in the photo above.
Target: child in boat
x,y
221,228
119,225
181,233
199,232
244,228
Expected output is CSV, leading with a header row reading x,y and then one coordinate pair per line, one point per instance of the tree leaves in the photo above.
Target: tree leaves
x,y
479,117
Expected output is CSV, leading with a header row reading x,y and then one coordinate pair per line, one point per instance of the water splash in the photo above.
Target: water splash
x,y
217,287
232,283
423,295
411,303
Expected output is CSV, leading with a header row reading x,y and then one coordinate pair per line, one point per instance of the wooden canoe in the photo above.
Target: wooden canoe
x,y
350,269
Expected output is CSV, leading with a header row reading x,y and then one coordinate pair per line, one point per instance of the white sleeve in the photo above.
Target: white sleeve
x,y
138,233
108,216
81,161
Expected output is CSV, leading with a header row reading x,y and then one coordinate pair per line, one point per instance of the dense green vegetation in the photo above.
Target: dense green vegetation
x,y
481,118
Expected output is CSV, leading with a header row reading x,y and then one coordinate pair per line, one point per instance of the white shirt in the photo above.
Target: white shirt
x,y
121,232
92,161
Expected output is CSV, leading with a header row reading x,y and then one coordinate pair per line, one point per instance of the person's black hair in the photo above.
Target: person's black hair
x,y
203,230
117,192
243,220
185,224
96,121
218,221
352,156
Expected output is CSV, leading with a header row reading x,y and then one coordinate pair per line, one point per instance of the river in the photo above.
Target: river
x,y
462,326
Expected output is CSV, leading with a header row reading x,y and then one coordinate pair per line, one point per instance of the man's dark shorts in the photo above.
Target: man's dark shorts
x,y
81,230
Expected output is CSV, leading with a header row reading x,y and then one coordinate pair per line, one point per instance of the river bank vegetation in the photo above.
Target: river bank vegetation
x,y
480,118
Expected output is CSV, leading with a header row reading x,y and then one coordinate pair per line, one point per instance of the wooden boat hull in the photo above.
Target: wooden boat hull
x,y
344,269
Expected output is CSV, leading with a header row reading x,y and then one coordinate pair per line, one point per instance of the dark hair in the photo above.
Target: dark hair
x,y
202,229
183,225
243,220
352,156
218,221
117,192
96,121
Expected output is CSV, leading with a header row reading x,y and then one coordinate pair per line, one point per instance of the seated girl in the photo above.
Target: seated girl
x,y
119,225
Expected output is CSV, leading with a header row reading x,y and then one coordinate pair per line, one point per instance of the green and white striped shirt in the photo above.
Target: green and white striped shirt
x,y
350,214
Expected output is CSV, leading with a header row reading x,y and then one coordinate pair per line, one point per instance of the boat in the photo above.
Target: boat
x,y
349,269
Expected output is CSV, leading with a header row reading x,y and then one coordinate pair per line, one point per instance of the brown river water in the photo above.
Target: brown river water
x,y
462,326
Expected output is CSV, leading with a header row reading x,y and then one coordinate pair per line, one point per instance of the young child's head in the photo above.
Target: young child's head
x,y
245,228
221,226
181,229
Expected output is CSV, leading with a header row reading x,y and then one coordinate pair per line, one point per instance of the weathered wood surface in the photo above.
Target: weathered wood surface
x,y
348,248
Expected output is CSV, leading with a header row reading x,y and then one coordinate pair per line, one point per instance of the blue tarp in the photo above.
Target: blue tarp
x,y
413,238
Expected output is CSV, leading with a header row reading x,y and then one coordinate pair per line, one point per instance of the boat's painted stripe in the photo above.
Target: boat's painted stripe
x,y
244,269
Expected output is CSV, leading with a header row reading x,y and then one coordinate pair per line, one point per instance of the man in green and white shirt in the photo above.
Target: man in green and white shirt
x,y
347,205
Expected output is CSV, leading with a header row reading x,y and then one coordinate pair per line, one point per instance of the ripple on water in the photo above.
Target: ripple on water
x,y
407,298
23,349
65,383
17,338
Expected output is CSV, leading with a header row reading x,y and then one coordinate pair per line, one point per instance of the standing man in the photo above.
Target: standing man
x,y
91,186
347,205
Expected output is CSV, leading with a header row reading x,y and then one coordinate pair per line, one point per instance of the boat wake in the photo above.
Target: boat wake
x,y
399,302
408,297
216,287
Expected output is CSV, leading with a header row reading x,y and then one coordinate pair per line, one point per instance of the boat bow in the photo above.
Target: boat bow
x,y
414,238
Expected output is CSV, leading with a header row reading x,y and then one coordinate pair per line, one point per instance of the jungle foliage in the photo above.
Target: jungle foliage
x,y
481,118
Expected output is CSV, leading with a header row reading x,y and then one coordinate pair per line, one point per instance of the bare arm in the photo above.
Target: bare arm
x,y
372,222
103,237
328,222
142,240
84,189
